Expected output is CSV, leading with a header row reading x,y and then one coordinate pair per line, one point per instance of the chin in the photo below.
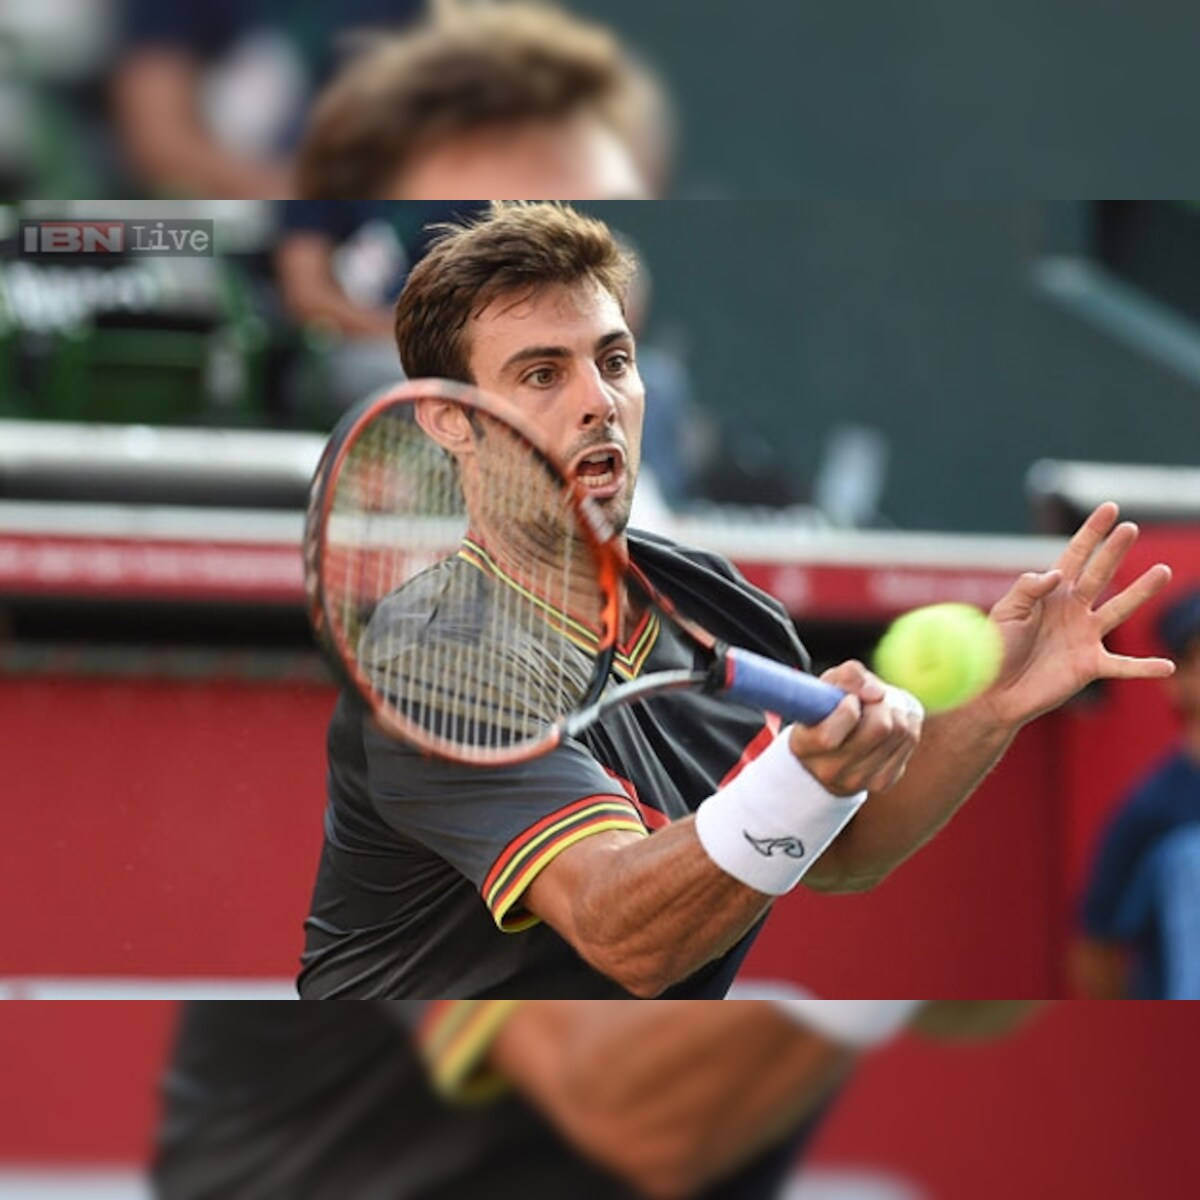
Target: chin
x,y
618,515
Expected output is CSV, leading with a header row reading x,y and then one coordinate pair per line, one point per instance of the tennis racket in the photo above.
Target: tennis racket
x,y
474,590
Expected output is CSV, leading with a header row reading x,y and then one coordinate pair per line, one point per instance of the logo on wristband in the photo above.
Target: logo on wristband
x,y
793,847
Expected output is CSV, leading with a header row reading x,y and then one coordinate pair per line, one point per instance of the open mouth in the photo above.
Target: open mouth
x,y
602,471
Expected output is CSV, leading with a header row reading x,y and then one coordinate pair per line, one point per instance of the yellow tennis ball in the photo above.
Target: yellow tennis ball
x,y
944,654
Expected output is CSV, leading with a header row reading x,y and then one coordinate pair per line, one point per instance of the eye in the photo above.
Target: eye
x,y
617,363
540,377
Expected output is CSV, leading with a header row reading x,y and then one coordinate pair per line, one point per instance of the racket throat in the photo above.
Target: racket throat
x,y
600,674
719,675
629,693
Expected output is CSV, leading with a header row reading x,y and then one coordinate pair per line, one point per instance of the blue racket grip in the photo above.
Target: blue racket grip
x,y
763,683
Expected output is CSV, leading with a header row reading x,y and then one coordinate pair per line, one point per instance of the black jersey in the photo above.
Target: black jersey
x,y
425,862
274,1100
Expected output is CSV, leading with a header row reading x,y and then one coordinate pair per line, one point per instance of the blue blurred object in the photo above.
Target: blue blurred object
x,y
1179,623
1135,895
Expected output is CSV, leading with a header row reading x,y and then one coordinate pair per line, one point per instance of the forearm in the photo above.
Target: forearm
x,y
153,98
956,751
646,912
314,296
670,1096
327,306
969,1019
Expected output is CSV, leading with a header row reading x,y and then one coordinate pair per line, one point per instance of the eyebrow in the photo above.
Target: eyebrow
x,y
531,352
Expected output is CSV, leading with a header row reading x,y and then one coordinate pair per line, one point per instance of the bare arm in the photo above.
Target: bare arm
x,y
647,912
1053,633
154,101
669,1096
314,296
970,1019
957,750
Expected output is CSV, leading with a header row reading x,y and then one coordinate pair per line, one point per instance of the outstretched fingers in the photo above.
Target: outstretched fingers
x,y
1098,573
1086,538
1025,594
1147,585
1123,666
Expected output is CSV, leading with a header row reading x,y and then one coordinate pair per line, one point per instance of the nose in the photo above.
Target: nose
x,y
596,401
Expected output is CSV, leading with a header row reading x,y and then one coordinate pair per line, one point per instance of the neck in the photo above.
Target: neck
x,y
633,599
633,608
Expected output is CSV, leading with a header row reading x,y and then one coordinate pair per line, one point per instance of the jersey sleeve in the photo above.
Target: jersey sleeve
x,y
708,588
452,1039
497,826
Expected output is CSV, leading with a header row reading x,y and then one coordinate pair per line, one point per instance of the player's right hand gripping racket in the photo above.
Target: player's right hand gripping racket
x,y
474,589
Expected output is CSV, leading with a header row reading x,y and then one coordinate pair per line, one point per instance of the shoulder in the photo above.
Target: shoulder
x,y
1156,802
653,549
1163,782
709,589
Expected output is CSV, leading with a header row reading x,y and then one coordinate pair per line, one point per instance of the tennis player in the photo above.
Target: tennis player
x,y
597,1101
618,865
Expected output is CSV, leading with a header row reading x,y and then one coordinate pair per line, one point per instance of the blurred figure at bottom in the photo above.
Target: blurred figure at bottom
x,y
1141,912
496,1099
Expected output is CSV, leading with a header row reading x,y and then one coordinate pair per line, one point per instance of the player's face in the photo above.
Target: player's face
x,y
565,356
572,159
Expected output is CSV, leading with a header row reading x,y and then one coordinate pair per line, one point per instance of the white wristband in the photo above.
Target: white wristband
x,y
859,1023
773,821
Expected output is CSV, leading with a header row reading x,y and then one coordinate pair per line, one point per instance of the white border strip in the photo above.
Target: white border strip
x,y
747,542
738,538
136,451
161,523
33,1182
88,988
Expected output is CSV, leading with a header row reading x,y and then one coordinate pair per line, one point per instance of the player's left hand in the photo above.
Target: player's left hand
x,y
1053,630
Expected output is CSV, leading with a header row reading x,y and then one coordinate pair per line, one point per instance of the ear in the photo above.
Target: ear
x,y
447,423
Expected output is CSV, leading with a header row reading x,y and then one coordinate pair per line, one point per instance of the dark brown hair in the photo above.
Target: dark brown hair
x,y
466,67
514,248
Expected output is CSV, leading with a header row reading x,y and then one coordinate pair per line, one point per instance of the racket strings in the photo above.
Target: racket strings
x,y
474,644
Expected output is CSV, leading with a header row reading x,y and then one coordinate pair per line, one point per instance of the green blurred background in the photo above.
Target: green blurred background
x,y
966,340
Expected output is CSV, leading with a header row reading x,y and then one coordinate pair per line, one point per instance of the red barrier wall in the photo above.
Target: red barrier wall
x,y
173,829
80,1079
1093,1099
159,827
1090,1100
972,914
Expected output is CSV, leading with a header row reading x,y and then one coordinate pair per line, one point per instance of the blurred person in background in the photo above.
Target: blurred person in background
x,y
678,436
1141,911
496,1099
494,99
503,100
437,100
54,136
209,96
339,266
